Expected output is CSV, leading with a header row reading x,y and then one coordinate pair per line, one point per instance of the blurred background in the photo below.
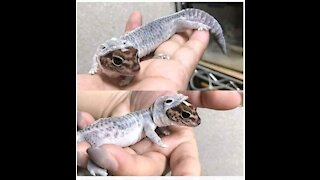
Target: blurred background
x,y
220,136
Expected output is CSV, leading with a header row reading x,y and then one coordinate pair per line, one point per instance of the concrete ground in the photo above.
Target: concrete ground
x,y
219,137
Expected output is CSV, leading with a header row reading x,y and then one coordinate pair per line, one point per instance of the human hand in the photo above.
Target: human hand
x,y
184,50
146,158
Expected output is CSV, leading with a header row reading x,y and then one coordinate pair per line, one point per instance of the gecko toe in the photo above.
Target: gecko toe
x,y
95,170
102,158
93,71
163,145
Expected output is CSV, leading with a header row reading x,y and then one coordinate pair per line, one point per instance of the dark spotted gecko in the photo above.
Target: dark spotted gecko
x,y
131,128
120,57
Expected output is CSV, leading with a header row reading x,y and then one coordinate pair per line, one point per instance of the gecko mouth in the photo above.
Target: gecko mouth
x,y
190,124
184,123
127,73
121,72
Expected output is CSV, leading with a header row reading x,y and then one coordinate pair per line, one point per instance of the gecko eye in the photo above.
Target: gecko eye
x,y
117,61
102,47
185,114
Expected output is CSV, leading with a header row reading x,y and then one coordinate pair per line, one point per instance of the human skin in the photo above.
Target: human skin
x,y
181,157
184,49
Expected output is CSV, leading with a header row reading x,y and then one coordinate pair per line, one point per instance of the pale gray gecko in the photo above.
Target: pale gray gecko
x,y
131,128
120,57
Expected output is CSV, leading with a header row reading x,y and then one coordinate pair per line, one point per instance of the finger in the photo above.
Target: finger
x,y
119,162
144,99
84,119
184,160
220,100
182,150
191,52
89,82
134,21
177,136
174,43
100,103
82,156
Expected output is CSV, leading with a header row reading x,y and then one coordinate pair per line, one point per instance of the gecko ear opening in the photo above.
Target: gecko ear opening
x,y
169,101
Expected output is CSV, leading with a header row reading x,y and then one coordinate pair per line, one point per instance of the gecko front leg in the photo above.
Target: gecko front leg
x,y
94,67
153,136
164,130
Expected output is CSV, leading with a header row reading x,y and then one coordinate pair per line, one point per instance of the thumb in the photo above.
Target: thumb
x,y
124,161
134,21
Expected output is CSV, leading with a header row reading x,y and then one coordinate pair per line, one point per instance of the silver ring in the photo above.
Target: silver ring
x,y
161,56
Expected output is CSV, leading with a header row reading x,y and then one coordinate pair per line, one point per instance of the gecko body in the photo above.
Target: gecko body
x,y
121,56
131,128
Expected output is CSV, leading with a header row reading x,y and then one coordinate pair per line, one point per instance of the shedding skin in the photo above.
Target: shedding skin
x,y
147,38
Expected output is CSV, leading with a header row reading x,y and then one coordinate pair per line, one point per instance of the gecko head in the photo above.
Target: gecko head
x,y
112,45
179,111
171,101
119,56
184,114
124,61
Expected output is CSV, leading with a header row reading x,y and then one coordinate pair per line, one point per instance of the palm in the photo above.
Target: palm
x,y
144,99
145,152
161,75
146,157
184,50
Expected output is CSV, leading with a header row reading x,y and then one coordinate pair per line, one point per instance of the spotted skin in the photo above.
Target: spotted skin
x,y
129,66
145,39
131,128
185,114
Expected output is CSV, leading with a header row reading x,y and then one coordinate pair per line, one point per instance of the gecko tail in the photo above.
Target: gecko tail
x,y
222,43
205,18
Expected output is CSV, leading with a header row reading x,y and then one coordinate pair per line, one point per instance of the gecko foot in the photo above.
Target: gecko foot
x,y
95,170
164,130
161,144
93,71
203,29
164,146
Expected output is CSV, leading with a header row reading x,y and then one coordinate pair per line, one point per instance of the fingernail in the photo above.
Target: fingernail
x,y
102,158
241,96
